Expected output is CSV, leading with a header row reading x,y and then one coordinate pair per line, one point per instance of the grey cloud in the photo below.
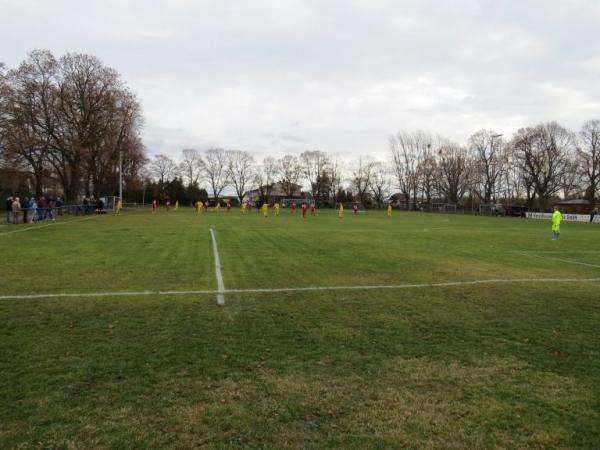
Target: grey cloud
x,y
348,73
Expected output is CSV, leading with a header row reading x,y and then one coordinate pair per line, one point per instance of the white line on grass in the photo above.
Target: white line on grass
x,y
104,294
416,286
304,289
220,284
47,225
531,255
562,252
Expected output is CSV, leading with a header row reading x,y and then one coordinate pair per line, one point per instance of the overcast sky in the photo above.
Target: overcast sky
x,y
280,76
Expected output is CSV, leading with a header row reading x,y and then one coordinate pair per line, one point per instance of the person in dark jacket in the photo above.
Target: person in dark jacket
x,y
25,207
9,202
59,205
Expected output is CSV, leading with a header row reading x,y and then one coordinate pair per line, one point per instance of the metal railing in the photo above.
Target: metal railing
x,y
39,214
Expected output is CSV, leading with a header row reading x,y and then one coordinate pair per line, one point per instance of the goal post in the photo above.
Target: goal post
x,y
443,207
490,210
287,202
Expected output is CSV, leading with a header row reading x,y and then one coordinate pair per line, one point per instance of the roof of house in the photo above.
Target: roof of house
x,y
276,189
576,201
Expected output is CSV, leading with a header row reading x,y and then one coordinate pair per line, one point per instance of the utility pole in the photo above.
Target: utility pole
x,y
492,152
121,176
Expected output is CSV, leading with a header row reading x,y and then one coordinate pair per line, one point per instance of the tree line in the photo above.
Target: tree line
x,y
534,166
66,122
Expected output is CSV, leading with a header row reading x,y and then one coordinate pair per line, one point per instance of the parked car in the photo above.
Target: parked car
x,y
515,211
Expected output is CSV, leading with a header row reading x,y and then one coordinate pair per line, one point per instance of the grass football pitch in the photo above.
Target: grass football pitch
x,y
415,331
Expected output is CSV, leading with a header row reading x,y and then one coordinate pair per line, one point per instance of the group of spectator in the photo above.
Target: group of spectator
x,y
90,205
28,210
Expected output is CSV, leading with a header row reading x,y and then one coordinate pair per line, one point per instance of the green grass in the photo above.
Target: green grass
x,y
506,365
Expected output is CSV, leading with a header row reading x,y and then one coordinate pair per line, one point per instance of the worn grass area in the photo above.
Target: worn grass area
x,y
493,366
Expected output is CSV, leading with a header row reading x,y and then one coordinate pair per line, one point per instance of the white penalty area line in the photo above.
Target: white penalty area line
x,y
223,291
46,225
553,258
220,284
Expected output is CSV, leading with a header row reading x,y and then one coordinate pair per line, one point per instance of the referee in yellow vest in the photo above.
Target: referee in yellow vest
x,y
556,219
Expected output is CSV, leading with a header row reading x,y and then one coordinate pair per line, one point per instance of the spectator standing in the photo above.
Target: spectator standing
x,y
24,207
9,202
42,207
51,205
16,206
59,205
31,209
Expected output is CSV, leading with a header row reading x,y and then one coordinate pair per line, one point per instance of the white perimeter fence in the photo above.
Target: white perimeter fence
x,y
565,217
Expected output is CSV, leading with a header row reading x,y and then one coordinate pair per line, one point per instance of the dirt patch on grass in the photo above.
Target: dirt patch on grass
x,y
412,403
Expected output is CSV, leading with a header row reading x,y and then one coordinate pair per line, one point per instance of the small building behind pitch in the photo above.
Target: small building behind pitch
x,y
575,206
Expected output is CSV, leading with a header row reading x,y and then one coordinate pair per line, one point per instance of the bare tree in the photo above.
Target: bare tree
x,y
489,164
290,171
513,177
191,165
25,138
265,176
81,112
215,169
588,153
4,105
163,169
314,165
240,170
408,150
380,183
453,172
362,177
120,139
570,178
70,120
542,154
336,176
428,170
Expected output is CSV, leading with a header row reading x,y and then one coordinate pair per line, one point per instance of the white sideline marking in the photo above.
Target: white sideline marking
x,y
220,284
416,286
104,294
562,252
302,289
531,255
47,225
